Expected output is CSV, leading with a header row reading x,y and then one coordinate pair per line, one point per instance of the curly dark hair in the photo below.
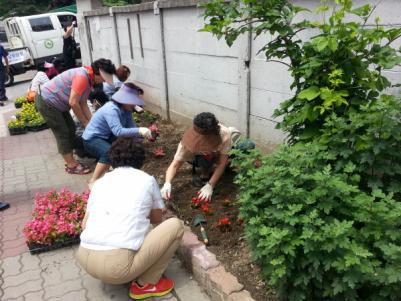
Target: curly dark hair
x,y
208,123
105,65
123,73
126,152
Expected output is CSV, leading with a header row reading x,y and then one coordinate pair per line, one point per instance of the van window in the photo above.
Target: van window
x,y
3,37
66,20
41,24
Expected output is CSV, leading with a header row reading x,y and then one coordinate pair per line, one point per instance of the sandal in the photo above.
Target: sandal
x,y
78,169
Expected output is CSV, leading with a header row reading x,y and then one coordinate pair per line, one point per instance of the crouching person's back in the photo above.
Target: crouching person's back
x,y
117,243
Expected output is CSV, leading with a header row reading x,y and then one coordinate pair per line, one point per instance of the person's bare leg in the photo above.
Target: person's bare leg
x,y
70,160
100,170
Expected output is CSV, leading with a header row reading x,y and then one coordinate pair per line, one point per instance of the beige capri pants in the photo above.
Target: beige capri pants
x,y
145,265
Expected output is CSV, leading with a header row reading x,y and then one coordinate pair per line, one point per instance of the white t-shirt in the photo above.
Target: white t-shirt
x,y
119,206
39,79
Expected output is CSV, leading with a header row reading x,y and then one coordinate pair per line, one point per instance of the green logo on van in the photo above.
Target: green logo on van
x,y
49,44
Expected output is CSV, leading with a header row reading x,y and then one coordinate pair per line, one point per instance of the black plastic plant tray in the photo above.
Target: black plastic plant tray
x,y
39,248
37,128
17,131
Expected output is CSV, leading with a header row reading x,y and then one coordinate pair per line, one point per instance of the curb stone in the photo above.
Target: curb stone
x,y
210,273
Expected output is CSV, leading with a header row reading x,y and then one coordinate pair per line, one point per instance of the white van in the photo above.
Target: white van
x,y
39,35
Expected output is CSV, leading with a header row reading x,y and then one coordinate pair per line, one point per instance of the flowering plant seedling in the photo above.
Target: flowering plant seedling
x,y
224,224
205,208
159,152
196,203
155,132
56,217
227,203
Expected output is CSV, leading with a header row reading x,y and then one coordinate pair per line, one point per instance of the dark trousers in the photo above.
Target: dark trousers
x,y
2,82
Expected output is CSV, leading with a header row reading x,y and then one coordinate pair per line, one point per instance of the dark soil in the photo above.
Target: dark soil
x,y
229,246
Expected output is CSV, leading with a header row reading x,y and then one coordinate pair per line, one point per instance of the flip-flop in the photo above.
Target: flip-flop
x,y
78,169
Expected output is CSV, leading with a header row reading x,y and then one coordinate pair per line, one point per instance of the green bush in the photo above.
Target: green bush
x,y
315,234
335,71
371,139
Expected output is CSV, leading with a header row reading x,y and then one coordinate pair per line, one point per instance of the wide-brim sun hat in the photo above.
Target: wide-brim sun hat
x,y
107,77
128,96
196,142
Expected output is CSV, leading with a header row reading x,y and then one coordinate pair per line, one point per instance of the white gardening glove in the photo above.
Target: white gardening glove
x,y
145,132
166,191
206,192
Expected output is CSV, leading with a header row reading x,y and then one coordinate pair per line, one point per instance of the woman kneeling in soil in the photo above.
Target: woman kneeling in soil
x,y
113,120
116,244
206,145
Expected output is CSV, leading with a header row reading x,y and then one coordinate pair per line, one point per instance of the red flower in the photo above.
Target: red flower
x,y
159,152
224,221
206,209
196,203
155,132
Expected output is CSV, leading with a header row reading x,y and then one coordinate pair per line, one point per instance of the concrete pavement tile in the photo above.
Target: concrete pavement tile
x,y
13,251
29,262
96,290
11,266
56,256
16,299
63,288
58,272
15,243
16,280
21,290
185,288
169,297
35,296
74,295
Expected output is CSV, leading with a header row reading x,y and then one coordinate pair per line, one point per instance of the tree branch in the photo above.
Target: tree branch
x,y
281,62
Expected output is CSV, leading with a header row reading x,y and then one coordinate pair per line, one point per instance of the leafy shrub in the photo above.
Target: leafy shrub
x,y
316,235
371,139
335,71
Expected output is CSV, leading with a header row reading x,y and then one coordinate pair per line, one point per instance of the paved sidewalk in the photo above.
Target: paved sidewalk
x,y
30,164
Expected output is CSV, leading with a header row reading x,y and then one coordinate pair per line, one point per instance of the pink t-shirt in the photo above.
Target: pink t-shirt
x,y
56,92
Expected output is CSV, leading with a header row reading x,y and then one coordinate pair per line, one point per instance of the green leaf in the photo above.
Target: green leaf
x,y
309,93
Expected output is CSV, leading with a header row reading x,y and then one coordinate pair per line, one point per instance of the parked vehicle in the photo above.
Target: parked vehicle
x,y
35,39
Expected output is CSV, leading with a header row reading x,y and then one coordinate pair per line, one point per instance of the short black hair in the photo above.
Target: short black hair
x,y
58,64
126,152
105,65
208,123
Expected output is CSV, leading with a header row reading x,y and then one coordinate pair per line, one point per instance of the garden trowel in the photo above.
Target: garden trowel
x,y
200,220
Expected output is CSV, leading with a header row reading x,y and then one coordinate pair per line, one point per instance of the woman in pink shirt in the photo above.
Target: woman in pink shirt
x,y
70,90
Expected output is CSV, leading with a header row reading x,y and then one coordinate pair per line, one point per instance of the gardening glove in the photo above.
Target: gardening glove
x,y
206,192
145,132
166,191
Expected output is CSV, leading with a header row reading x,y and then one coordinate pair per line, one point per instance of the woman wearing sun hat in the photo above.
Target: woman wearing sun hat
x,y
206,145
111,121
70,90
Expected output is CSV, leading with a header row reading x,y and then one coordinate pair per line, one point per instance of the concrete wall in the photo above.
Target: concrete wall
x,y
185,72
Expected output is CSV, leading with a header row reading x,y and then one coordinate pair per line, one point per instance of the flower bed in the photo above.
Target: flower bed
x,y
56,220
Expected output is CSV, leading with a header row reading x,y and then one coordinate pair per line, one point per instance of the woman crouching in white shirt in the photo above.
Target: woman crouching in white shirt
x,y
116,244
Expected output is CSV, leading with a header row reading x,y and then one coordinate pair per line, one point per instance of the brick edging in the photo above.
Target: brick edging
x,y
210,273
